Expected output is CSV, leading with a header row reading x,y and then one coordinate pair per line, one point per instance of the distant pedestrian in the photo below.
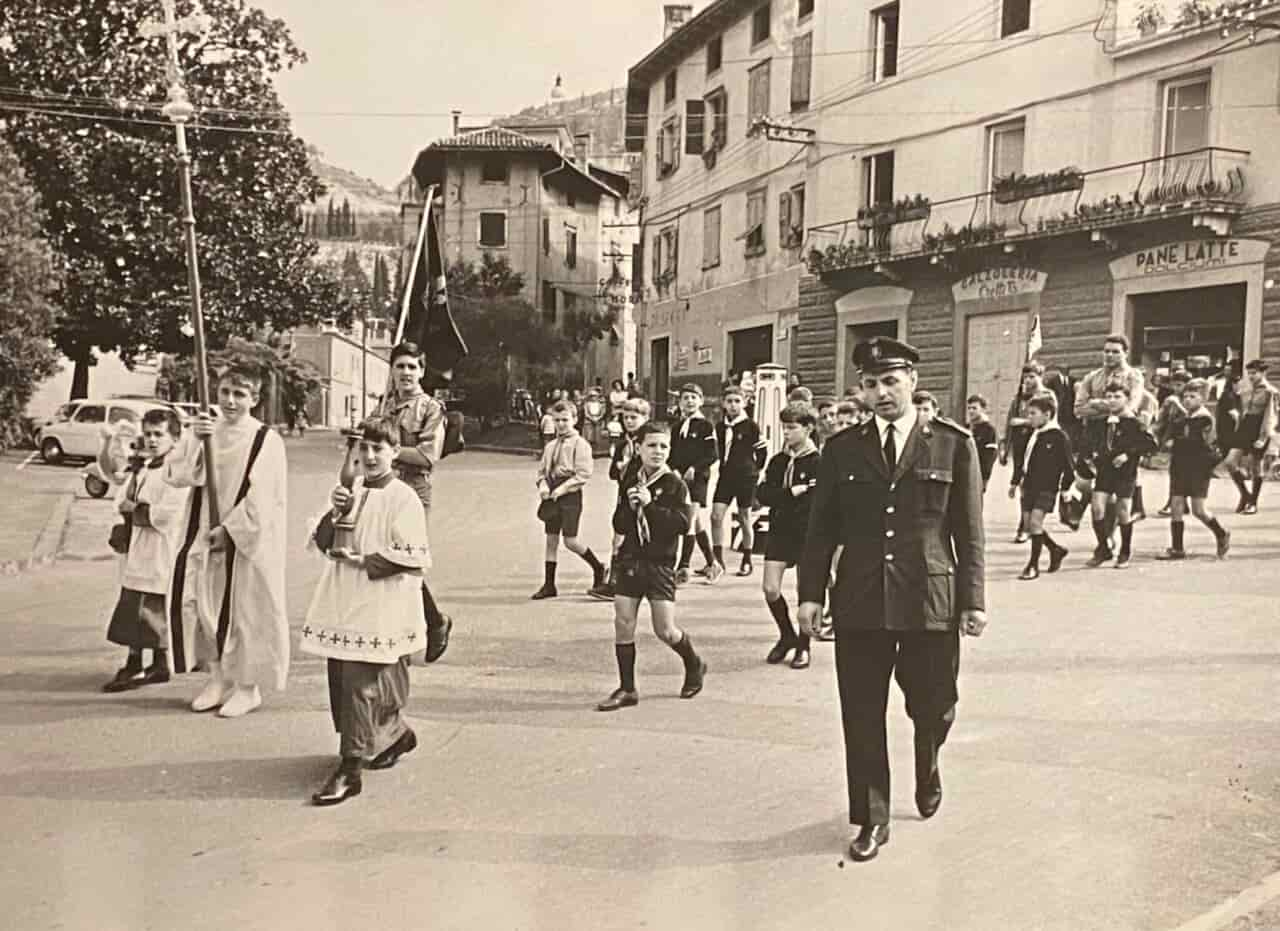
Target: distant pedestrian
x,y
926,404
1191,471
1045,471
1260,415
742,452
1114,446
984,435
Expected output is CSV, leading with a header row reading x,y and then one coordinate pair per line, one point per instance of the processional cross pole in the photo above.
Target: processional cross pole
x,y
179,111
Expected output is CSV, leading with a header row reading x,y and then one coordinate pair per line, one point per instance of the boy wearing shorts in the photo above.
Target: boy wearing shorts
x,y
651,515
693,453
1191,471
1115,444
742,451
1044,472
563,472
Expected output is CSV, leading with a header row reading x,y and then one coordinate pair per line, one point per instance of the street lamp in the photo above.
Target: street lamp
x,y
178,110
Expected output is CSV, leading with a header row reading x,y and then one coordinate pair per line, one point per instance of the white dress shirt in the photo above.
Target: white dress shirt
x,y
902,427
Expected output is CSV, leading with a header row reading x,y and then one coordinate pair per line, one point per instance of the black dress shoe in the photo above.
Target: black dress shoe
x,y
929,796
156,674
1224,544
547,591
693,680
1056,556
389,757
126,678
620,698
868,842
801,659
438,639
345,783
1029,574
779,651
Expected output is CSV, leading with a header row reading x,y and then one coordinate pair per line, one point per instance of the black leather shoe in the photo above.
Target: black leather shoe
x,y
800,660
779,651
438,639
547,591
1099,557
929,796
620,698
693,680
345,783
1056,556
125,680
868,842
156,674
389,757
1224,544
1029,574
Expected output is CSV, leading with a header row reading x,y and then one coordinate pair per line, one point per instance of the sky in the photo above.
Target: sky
x,y
426,57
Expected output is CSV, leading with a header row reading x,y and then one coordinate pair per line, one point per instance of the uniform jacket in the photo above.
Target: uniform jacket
x,y
1130,438
1050,466
694,447
788,513
913,540
745,454
1194,452
667,514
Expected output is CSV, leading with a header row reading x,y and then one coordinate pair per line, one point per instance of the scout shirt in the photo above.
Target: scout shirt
x,y
420,419
788,513
1091,403
742,449
693,446
566,465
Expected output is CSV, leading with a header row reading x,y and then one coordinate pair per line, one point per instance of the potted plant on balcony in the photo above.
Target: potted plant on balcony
x,y
1193,13
1011,188
1149,17
903,210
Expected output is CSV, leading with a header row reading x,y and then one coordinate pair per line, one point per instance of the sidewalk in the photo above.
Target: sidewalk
x,y
33,509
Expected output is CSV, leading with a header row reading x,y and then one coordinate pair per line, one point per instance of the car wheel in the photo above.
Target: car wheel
x,y
51,451
95,486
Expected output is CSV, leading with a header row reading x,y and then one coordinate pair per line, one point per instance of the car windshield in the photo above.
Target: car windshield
x,y
64,412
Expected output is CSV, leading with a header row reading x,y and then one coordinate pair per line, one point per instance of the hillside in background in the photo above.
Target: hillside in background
x,y
353,209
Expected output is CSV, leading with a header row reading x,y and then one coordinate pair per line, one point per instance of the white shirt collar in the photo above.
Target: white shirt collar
x,y
742,415
902,427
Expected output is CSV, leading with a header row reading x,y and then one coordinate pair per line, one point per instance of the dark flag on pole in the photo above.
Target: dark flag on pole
x,y
424,313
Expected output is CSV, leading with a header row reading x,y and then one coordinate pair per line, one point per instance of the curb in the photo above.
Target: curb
x,y
506,450
45,550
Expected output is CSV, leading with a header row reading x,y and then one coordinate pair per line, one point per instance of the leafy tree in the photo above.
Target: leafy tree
x,y
27,277
107,182
293,380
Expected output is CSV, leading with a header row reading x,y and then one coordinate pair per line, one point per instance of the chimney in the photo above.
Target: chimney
x,y
457,120
582,150
675,15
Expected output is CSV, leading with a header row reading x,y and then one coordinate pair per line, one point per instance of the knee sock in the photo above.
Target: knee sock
x,y
1110,523
597,567
704,544
802,642
1100,531
1050,542
1217,528
684,649
1022,522
159,658
1177,532
717,553
686,551
626,656
1126,539
781,617
434,618
1238,477
548,574
1256,490
134,662
1037,545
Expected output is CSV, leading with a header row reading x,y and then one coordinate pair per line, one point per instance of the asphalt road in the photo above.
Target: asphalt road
x,y
1114,764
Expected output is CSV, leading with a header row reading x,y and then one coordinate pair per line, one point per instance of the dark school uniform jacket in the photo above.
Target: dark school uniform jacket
x,y
694,447
745,455
913,540
1194,449
788,513
1130,438
667,514
1050,467
984,436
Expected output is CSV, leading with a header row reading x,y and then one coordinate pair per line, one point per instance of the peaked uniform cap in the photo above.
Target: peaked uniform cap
x,y
881,353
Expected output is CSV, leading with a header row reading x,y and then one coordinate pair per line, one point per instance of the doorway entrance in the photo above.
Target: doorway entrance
x,y
750,347
996,350
855,333
1199,329
660,370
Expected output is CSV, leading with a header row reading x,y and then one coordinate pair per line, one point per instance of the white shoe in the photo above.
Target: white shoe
x,y
243,700
215,692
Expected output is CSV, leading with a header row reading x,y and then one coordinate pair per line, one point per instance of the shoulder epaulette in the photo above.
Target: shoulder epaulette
x,y
951,425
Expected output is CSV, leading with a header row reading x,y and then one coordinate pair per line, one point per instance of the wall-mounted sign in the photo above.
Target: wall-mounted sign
x,y
701,354
1000,281
682,357
1189,256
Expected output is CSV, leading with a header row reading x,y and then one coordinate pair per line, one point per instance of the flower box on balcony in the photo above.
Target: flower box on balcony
x,y
906,210
1010,189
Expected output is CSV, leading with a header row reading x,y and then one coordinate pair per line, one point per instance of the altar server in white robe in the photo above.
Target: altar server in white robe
x,y
237,566
366,616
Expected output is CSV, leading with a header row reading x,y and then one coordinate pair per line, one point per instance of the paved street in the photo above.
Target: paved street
x,y
1114,764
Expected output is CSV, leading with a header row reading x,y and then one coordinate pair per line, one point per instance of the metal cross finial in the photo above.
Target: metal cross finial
x,y
179,108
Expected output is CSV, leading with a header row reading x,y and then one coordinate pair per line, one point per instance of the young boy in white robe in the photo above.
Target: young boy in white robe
x,y
366,616
236,562
153,513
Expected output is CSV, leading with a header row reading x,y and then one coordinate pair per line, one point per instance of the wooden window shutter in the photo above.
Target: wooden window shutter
x,y
801,70
675,251
675,144
657,258
784,217
695,126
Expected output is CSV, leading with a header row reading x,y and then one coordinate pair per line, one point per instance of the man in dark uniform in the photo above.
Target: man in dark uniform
x,y
904,498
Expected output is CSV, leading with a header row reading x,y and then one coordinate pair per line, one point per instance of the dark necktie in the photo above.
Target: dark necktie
x,y
890,449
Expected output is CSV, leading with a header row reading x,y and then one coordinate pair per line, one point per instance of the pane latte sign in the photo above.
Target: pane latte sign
x,y
1190,256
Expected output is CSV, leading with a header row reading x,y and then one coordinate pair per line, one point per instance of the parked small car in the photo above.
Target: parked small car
x,y
76,428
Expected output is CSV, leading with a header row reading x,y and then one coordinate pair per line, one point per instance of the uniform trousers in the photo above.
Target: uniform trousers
x,y
926,665
366,700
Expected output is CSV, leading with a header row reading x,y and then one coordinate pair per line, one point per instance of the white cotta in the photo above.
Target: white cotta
x,y
352,617
148,566
257,645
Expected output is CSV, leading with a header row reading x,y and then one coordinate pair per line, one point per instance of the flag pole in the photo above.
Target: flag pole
x,y
420,243
178,110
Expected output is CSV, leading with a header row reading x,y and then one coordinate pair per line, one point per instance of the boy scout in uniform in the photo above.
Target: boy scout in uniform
x,y
420,418
904,498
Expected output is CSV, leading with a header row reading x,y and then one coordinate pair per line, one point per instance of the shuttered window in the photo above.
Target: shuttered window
x,y
754,234
801,70
758,92
694,126
711,238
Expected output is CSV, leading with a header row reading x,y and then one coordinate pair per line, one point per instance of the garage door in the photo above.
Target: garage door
x,y
997,348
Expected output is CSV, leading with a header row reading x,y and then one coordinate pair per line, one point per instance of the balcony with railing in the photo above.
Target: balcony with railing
x,y
1207,186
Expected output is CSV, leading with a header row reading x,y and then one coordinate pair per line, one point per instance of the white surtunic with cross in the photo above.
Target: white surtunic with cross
x,y
352,617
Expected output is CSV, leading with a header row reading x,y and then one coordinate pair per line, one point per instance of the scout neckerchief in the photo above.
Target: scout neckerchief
x,y
642,522
1031,443
803,451
728,433
684,427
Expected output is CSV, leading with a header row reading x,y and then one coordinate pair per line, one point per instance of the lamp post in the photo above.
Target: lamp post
x,y
178,110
